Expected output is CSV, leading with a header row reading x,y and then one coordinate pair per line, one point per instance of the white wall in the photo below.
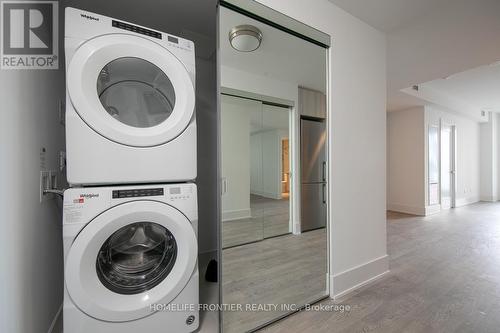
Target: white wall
x,y
405,161
467,152
496,156
488,156
31,265
256,163
266,163
257,84
407,172
235,155
357,145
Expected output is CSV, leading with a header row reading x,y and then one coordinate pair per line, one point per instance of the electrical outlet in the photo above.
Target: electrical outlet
x,y
44,184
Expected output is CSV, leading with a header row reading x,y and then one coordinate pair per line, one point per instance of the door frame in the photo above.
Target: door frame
x,y
428,166
454,166
453,163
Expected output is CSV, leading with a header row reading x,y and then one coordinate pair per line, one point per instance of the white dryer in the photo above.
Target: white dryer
x,y
130,256
130,102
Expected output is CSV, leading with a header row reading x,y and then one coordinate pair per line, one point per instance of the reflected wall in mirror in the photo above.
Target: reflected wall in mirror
x,y
433,165
270,256
268,194
241,223
255,171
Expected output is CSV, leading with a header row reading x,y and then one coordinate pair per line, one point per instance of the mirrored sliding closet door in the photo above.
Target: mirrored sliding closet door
x,y
273,170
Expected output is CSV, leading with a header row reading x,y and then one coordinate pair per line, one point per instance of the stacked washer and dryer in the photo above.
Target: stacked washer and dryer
x,y
130,216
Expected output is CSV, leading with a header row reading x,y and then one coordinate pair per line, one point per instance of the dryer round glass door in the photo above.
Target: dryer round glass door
x,y
131,90
130,257
135,92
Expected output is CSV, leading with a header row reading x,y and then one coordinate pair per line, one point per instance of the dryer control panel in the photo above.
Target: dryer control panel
x,y
136,29
84,25
135,193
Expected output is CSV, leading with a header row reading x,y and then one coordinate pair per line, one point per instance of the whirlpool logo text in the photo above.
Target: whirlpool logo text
x,y
89,195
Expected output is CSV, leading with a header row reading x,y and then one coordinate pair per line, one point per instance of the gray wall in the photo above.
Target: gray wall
x,y
31,263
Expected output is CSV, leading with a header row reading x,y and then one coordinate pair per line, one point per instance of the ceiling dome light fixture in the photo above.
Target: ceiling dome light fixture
x,y
245,38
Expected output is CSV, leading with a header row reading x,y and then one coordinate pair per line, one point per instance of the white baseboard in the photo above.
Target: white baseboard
x,y
56,321
414,210
276,196
488,199
433,209
466,201
347,281
240,214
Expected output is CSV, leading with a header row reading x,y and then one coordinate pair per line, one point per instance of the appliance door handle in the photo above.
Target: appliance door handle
x,y
324,193
324,170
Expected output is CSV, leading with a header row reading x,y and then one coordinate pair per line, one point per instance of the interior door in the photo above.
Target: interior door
x,y
447,167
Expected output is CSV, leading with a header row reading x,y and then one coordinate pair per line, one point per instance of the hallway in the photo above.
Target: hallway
x,y
445,277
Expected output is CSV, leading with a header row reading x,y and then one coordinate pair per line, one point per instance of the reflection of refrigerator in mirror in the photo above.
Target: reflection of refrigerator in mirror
x,y
313,174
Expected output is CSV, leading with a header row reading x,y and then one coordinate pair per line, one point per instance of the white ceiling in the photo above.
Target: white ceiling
x,y
281,56
387,15
431,39
478,89
468,93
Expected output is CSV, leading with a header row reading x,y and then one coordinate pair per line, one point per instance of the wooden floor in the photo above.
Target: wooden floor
x,y
283,270
270,218
445,277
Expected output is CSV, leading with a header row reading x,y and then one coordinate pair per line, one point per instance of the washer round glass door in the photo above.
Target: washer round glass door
x,y
130,90
131,256
136,258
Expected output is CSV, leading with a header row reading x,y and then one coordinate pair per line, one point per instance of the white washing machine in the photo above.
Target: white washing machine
x,y
130,255
130,105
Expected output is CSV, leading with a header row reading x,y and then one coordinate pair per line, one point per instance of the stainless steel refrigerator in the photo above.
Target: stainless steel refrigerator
x,y
313,174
